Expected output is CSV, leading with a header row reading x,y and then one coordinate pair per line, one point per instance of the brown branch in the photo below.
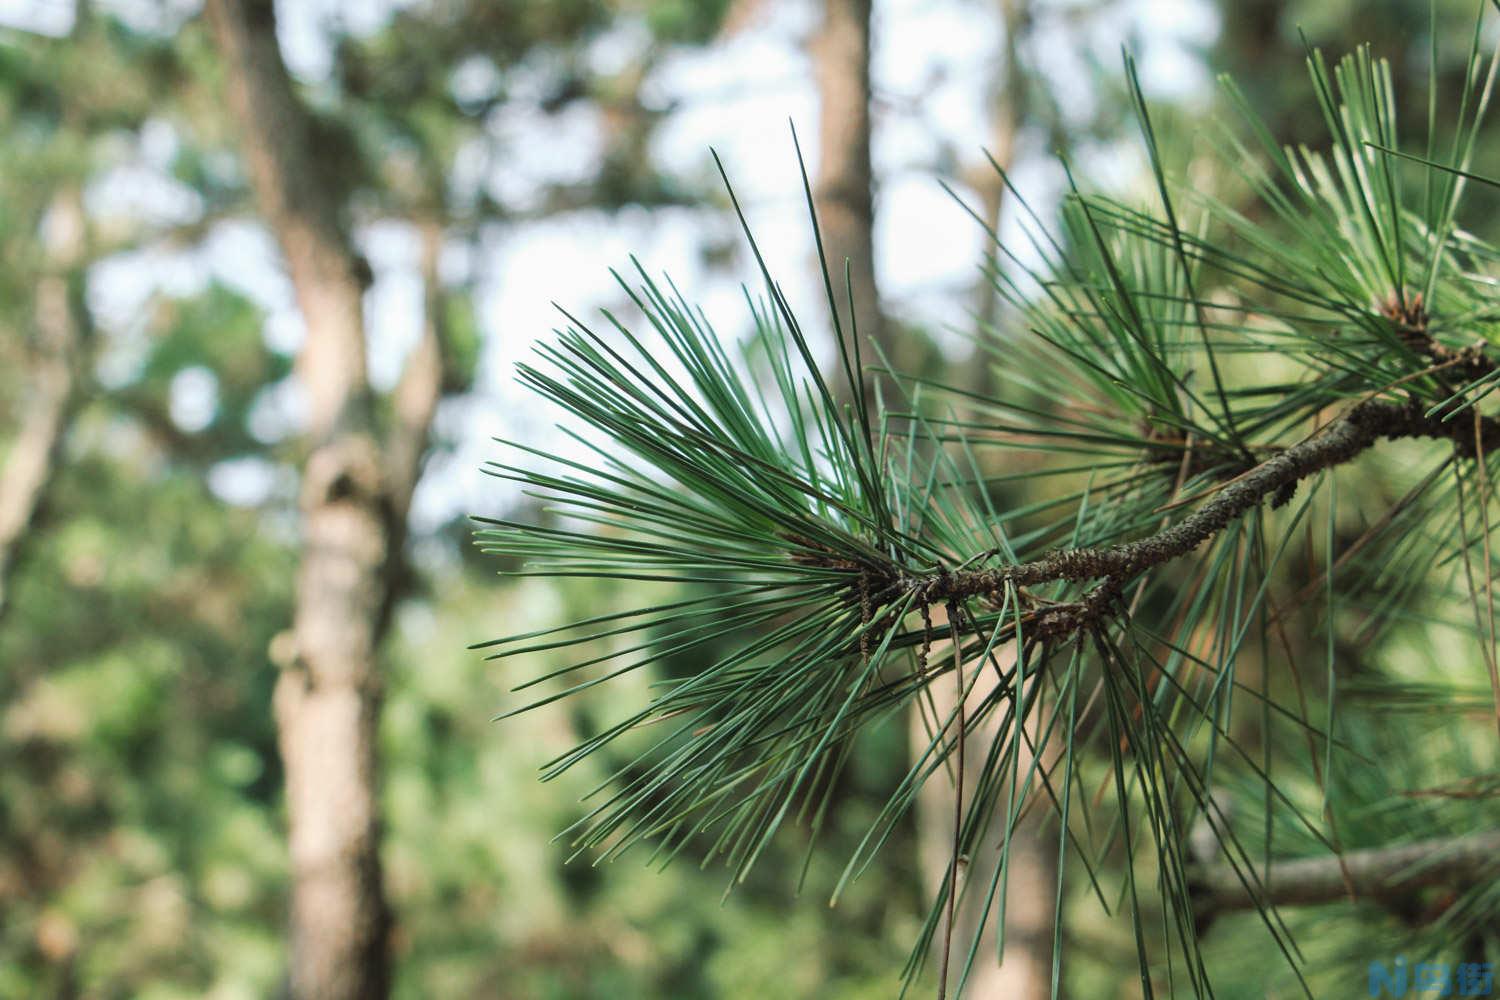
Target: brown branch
x,y
1339,441
1382,873
1412,324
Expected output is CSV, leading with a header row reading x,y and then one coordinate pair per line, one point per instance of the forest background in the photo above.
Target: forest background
x,y
238,249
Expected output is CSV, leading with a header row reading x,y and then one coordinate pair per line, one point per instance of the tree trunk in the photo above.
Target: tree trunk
x,y
1030,911
60,332
1007,103
843,190
356,488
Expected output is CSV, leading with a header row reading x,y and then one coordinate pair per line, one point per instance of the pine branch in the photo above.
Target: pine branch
x,y
1340,441
813,545
1381,873
1412,324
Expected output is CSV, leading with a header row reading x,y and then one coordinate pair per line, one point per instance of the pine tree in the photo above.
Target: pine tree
x,y
1236,677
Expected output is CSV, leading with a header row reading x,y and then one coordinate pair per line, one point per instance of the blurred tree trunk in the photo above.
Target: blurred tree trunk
x,y
1007,102
844,200
60,329
1030,911
356,489
1257,48
843,190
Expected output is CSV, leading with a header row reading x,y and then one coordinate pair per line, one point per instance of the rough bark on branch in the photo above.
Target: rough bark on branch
x,y
1359,428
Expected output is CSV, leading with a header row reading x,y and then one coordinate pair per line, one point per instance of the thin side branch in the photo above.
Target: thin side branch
x,y
1381,873
414,400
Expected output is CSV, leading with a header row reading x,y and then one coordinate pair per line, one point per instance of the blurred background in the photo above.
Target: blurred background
x,y
237,245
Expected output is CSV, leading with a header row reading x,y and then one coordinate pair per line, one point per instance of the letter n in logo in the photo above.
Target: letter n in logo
x,y
1388,982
